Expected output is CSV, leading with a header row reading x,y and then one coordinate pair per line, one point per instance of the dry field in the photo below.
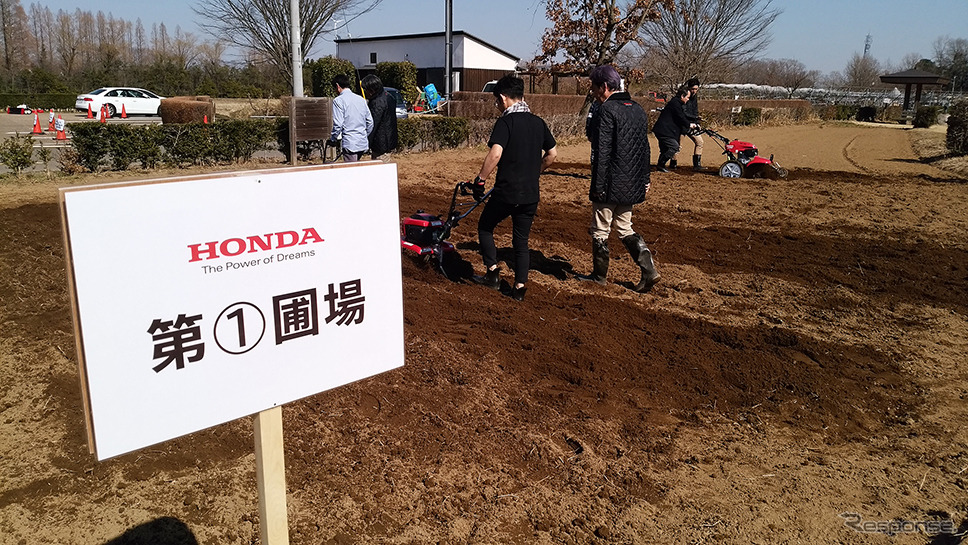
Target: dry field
x,y
797,376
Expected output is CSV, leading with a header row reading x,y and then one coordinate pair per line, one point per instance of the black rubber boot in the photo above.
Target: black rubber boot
x,y
673,164
661,165
518,293
491,279
643,258
599,262
697,163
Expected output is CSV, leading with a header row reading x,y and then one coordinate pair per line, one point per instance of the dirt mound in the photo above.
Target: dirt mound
x,y
800,360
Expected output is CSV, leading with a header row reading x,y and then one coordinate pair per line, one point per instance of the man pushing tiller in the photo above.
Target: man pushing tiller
x,y
521,147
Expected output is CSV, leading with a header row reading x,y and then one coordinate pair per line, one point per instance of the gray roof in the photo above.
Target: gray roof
x,y
915,76
428,35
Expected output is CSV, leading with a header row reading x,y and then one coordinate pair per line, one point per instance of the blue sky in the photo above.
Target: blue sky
x,y
822,34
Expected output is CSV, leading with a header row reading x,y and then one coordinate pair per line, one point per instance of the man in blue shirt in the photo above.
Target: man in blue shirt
x,y
351,120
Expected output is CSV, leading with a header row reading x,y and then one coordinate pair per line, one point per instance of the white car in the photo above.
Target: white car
x,y
130,100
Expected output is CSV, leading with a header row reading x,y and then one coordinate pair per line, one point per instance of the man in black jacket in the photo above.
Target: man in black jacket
x,y
691,110
670,126
619,132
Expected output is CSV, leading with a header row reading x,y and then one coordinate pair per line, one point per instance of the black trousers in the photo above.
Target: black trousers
x,y
668,147
522,216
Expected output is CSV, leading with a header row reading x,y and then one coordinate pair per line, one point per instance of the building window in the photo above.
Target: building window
x,y
372,58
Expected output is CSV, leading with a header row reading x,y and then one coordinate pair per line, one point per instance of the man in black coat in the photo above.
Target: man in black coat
x,y
619,132
691,110
670,126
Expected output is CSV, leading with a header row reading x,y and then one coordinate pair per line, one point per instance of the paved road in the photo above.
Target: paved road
x,y
14,124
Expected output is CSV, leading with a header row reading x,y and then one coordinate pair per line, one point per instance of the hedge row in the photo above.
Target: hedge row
x,y
107,146
717,112
57,101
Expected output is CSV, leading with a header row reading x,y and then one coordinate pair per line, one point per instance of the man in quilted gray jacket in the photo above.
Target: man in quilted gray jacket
x,y
619,132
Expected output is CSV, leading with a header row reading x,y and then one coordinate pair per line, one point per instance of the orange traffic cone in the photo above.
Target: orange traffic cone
x,y
59,125
50,122
124,114
90,113
205,119
104,114
37,129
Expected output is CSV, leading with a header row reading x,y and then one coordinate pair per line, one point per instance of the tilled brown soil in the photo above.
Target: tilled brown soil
x,y
800,360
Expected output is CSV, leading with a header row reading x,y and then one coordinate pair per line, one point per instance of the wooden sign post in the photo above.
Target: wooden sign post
x,y
270,472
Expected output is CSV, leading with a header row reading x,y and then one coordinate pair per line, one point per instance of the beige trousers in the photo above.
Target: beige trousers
x,y
606,216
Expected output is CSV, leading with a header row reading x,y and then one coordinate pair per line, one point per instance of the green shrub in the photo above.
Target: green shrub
x,y
146,144
401,76
17,153
837,112
323,70
957,135
187,144
748,116
60,101
843,112
866,113
120,150
89,140
433,132
925,116
409,132
236,140
450,132
93,144
890,113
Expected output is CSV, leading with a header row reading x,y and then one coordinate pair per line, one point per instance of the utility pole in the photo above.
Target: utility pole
x,y
295,36
867,44
449,53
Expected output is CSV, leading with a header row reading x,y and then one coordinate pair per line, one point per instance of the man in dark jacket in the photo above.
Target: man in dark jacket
x,y
383,108
691,110
521,147
670,126
619,132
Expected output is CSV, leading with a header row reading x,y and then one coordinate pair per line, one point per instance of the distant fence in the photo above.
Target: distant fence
x,y
857,96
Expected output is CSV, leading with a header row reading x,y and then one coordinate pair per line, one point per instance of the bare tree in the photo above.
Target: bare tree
x,y
112,46
263,26
67,41
160,42
139,44
588,33
787,73
951,56
184,48
707,39
909,61
41,22
14,33
862,71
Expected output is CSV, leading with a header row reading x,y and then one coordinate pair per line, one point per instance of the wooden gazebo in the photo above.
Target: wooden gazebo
x,y
917,78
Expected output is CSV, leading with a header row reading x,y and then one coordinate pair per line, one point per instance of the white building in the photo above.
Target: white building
x,y
475,62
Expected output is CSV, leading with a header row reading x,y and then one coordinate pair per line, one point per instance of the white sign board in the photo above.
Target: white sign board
x,y
206,299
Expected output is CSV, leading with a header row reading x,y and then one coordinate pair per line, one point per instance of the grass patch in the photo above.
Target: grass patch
x,y
929,145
